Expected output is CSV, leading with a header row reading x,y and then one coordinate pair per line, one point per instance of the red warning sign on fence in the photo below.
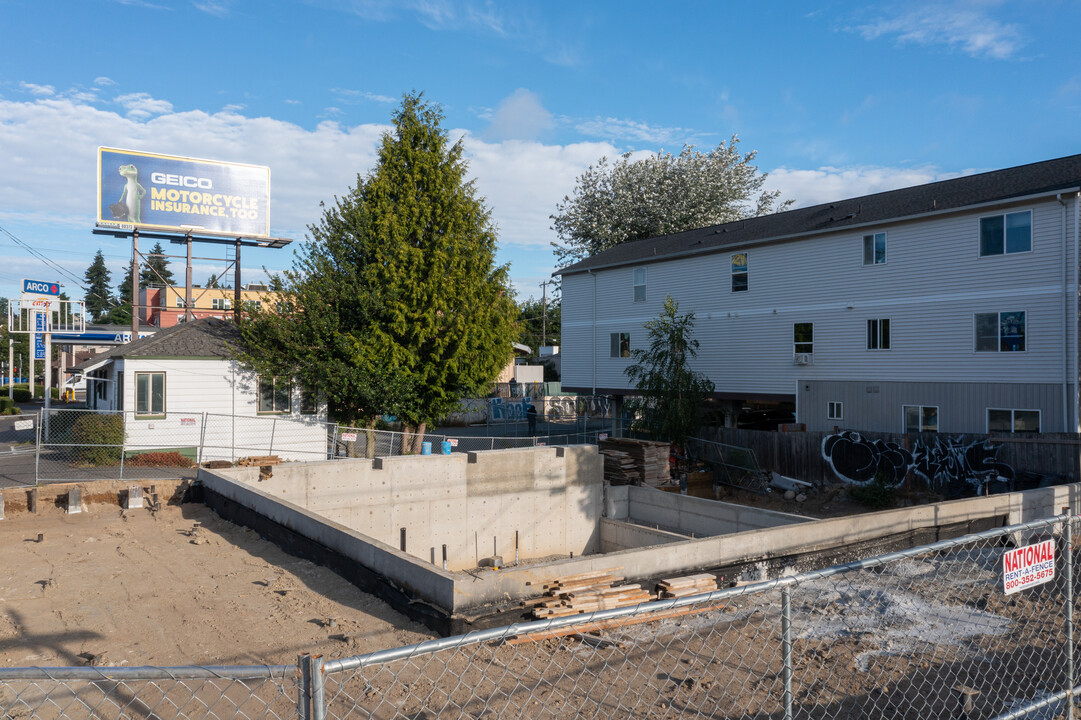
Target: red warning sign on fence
x,y
1028,566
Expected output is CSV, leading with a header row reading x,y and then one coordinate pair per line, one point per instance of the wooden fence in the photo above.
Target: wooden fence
x,y
937,461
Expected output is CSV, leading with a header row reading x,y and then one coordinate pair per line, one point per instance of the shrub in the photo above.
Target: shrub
x,y
21,394
100,438
159,459
6,402
876,494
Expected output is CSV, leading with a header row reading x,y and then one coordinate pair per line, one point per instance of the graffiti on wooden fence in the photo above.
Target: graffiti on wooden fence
x,y
945,463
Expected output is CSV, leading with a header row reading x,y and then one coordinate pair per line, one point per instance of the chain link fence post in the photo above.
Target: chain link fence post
x,y
37,449
304,686
202,441
1069,615
319,681
786,648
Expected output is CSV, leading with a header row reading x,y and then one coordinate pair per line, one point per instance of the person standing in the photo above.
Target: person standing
x,y
531,416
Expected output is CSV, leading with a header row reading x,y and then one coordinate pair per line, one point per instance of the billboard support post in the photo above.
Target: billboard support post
x,y
11,368
189,314
236,284
135,304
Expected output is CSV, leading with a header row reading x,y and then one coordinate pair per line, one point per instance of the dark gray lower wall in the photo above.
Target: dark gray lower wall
x,y
875,405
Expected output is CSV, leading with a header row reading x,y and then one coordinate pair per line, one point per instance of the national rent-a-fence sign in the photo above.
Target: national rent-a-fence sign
x,y
163,192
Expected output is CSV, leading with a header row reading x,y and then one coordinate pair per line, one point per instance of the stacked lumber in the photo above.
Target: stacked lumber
x,y
635,462
687,585
259,460
587,593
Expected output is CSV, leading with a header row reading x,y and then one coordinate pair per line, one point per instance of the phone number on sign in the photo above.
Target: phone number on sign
x,y
1020,578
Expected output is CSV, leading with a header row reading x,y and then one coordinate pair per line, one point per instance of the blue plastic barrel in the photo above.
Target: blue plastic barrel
x,y
446,447
425,448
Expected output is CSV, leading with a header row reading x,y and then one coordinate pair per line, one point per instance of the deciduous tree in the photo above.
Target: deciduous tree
x,y
396,305
658,195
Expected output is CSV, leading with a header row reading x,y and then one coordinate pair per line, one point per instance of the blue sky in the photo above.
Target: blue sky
x,y
838,98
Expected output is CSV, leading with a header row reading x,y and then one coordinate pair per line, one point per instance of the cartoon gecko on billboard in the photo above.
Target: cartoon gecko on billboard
x,y
130,205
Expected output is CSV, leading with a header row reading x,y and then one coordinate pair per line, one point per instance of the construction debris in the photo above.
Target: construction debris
x,y
686,586
635,462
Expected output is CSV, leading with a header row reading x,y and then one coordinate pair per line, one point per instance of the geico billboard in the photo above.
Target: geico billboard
x,y
175,193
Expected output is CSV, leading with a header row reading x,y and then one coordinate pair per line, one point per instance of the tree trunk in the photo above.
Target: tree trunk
x,y
369,433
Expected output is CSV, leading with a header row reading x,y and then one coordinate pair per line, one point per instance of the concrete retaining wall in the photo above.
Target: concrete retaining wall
x,y
618,535
474,503
699,517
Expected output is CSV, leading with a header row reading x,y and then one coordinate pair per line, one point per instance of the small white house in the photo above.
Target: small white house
x,y
181,388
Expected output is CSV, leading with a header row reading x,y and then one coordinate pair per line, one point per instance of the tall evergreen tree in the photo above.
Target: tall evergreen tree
x,y
398,304
156,269
120,314
98,296
670,392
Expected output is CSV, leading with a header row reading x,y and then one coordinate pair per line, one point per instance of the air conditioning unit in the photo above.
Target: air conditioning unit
x,y
803,359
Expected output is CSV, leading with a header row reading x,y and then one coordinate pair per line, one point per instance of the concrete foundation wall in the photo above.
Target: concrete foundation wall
x,y
474,503
700,517
619,535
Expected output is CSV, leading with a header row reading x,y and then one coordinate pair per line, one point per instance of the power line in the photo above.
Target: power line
x,y
63,271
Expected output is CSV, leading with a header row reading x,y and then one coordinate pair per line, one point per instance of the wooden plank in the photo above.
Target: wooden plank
x,y
595,625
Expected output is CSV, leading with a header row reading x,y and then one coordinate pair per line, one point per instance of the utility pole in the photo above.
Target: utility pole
x,y
544,312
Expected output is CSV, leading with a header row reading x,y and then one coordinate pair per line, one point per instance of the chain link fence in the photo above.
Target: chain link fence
x,y
350,442
939,631
193,693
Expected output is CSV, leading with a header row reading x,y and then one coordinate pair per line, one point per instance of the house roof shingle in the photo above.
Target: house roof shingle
x,y
998,185
206,338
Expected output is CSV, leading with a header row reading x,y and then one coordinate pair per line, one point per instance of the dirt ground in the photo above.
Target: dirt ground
x,y
179,586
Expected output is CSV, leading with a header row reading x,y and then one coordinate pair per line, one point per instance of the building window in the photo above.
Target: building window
x,y
253,305
836,411
1006,234
878,334
221,303
739,272
874,249
1000,332
150,393
621,345
1013,420
639,284
921,418
179,301
803,335
274,395
309,402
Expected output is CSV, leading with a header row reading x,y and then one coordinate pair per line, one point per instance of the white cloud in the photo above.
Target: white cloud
x,y
960,25
217,8
38,90
354,96
102,80
635,131
826,184
141,106
521,116
233,107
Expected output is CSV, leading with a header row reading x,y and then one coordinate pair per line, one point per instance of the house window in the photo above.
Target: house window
x,y
309,402
874,249
150,393
878,334
221,303
921,418
639,284
836,411
1006,234
739,272
1000,332
621,345
803,335
1013,420
274,395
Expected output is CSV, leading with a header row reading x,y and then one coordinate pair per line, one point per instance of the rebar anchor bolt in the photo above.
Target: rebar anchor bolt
x,y
966,700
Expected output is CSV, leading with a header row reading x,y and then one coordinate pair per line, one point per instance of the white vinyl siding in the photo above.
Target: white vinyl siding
x,y
931,289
